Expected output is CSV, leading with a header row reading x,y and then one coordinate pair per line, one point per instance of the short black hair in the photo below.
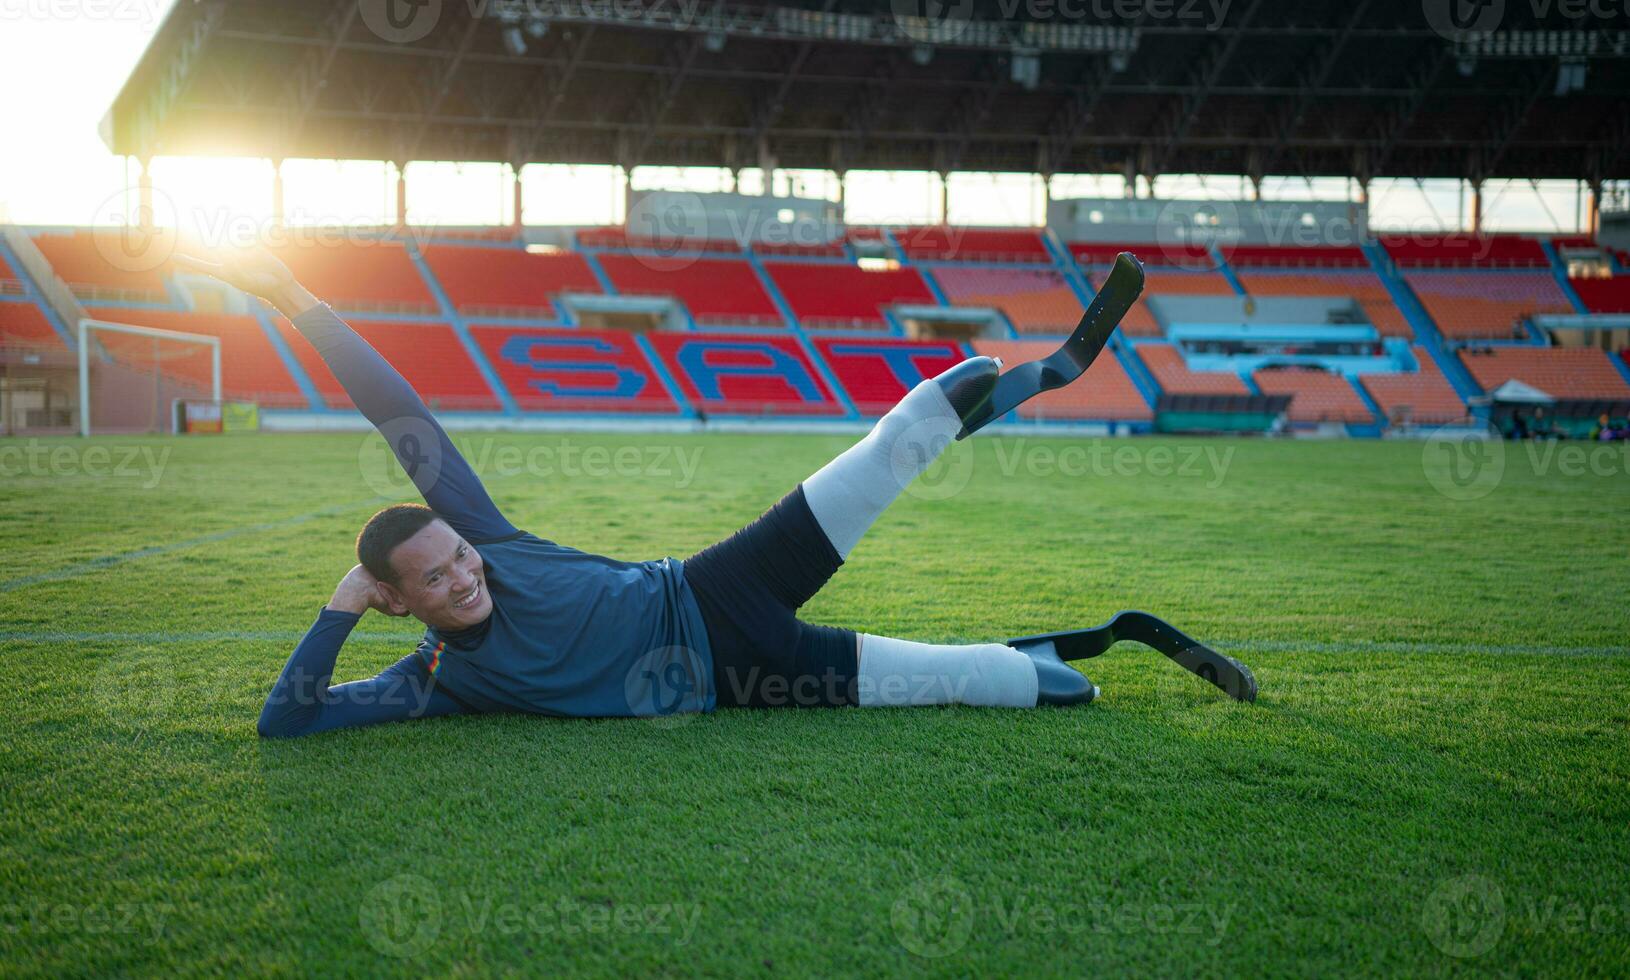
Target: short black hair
x,y
384,531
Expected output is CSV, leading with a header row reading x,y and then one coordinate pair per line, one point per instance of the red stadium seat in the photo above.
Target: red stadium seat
x,y
845,296
722,291
429,355
972,244
827,250
1316,396
1166,363
250,366
1037,301
1296,256
110,264
870,369
620,238
1604,295
508,281
1487,305
1183,255
377,276
1465,251
25,325
1106,392
1579,372
574,370
745,374
1423,396
1360,285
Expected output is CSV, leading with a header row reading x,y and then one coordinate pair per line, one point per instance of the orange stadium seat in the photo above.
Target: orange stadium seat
x,y
1140,320
25,325
722,291
1296,256
376,276
1361,285
1106,392
1035,300
429,356
1577,372
1486,305
1166,363
1316,396
497,281
1424,396
845,296
110,264
250,366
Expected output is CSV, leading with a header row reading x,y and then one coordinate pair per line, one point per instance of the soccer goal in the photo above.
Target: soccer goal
x,y
130,376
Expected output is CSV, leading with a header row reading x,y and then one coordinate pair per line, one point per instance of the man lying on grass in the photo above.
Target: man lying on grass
x,y
516,623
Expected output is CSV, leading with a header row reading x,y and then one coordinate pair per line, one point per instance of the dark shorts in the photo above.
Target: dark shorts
x,y
749,587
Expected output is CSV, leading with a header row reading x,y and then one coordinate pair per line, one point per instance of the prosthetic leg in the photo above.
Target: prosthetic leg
x,y
1227,674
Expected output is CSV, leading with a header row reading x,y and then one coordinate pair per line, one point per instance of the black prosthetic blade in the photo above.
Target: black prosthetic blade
x,y
1120,291
1224,672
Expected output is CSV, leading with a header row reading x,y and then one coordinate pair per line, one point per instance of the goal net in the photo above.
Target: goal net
x,y
130,377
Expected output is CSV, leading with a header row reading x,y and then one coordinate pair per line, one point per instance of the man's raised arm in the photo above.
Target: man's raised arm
x,y
379,391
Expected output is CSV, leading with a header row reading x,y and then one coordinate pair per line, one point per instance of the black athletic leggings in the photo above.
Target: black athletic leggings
x,y
749,587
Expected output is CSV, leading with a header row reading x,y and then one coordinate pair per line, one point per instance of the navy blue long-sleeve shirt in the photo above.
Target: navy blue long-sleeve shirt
x,y
570,633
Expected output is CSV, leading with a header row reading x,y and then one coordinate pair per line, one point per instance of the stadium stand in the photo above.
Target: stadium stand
x,y
109,266
740,374
1465,251
1423,396
374,276
1166,363
1140,320
1037,301
718,291
1603,295
1361,285
573,370
878,371
25,325
843,296
1187,255
10,282
250,367
618,238
1579,372
1296,256
429,355
1316,396
1486,305
1106,392
825,250
508,281
972,244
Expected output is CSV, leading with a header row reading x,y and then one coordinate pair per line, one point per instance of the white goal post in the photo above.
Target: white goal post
x,y
88,327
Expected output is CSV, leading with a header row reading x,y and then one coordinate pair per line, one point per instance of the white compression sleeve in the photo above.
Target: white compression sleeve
x,y
897,673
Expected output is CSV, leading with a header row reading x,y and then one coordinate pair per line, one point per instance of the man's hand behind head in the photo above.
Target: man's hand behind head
x,y
359,592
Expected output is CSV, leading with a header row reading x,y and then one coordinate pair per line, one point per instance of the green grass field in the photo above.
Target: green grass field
x,y
1435,779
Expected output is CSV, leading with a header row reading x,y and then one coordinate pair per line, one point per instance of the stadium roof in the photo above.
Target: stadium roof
x,y
1257,87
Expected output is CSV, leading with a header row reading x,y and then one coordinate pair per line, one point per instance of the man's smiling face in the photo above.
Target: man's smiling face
x,y
440,579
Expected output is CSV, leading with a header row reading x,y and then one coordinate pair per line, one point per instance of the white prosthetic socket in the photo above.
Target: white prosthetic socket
x,y
899,673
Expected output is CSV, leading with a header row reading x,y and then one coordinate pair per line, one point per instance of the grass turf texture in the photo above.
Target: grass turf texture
x,y
1433,779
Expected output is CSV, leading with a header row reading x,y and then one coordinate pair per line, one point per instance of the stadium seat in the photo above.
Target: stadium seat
x,y
1166,363
574,370
844,296
1604,295
110,265
826,250
619,238
972,244
371,275
1106,392
1423,396
507,281
429,355
1486,305
1140,320
1296,256
25,325
1465,251
1361,285
1316,396
1578,372
1181,255
1037,301
250,367
718,291
745,374
878,371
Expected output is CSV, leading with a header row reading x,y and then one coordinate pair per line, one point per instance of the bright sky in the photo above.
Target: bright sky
x,y
62,62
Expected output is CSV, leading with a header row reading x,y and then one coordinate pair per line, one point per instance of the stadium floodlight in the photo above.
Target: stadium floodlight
x,y
139,371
